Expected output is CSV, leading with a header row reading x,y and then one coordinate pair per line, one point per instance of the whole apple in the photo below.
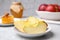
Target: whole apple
x,y
59,8
56,7
50,8
42,7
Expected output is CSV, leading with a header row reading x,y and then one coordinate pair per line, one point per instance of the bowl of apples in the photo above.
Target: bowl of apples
x,y
49,11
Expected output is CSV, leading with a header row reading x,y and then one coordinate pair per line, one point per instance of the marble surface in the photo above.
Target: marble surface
x,y
8,33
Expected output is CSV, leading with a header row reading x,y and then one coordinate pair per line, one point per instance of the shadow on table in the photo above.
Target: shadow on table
x,y
44,37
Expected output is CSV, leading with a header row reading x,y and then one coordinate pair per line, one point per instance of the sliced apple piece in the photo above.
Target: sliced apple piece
x,y
19,24
32,20
40,28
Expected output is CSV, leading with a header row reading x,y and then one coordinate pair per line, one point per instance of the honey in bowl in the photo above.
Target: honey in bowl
x,y
31,26
16,9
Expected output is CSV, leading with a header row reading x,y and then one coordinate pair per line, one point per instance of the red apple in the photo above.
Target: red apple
x,y
50,8
42,7
59,8
56,7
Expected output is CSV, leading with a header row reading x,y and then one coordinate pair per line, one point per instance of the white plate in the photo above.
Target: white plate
x,y
4,24
31,35
51,21
46,20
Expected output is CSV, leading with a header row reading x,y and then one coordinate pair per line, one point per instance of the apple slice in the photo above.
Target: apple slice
x,y
19,24
40,28
32,20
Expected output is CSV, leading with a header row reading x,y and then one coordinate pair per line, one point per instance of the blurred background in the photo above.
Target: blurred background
x,y
30,5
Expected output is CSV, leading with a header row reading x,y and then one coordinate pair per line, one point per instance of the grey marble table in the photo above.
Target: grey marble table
x,y
8,33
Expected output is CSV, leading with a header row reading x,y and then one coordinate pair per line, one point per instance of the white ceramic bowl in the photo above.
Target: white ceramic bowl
x,y
31,35
48,15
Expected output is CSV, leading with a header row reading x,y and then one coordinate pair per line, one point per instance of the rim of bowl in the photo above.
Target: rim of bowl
x,y
47,11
